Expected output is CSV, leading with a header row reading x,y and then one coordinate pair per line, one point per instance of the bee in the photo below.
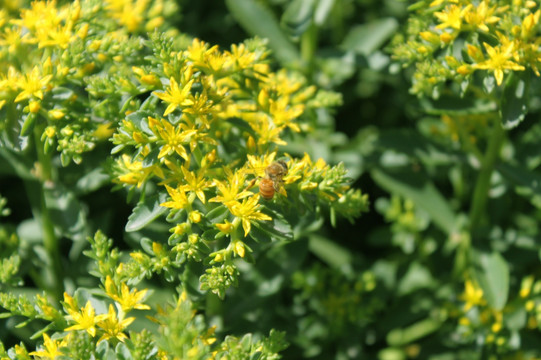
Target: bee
x,y
272,182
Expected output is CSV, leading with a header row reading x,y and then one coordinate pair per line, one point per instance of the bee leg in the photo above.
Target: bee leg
x,y
252,183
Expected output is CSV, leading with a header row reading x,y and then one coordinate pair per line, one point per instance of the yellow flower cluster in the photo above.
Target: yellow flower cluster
x,y
476,316
220,108
48,54
205,136
110,325
453,39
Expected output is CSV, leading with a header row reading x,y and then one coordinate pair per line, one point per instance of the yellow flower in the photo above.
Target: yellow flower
x,y
499,60
32,84
55,35
529,24
181,229
113,327
195,183
128,13
430,37
173,136
199,53
240,57
85,319
256,165
52,348
481,16
179,200
248,212
451,17
226,227
283,113
239,248
128,299
11,39
50,131
195,217
230,190
472,295
57,114
176,96
268,133
144,78
133,171
34,106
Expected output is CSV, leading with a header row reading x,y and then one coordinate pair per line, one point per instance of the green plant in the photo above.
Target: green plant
x,y
194,128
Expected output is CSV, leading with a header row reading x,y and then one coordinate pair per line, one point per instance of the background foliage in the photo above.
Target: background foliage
x,y
436,122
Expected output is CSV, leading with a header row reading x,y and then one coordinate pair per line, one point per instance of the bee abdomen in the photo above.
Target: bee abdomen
x,y
266,188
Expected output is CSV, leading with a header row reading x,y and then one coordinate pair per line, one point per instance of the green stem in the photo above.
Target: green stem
x,y
50,241
308,49
482,186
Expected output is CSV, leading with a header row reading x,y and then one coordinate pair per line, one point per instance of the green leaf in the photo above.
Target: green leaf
x,y
323,10
297,16
59,94
420,190
152,157
367,38
277,228
146,212
20,164
492,274
417,277
217,215
92,181
401,337
454,105
514,101
146,245
28,124
66,212
330,252
521,176
123,352
258,20
210,235
140,119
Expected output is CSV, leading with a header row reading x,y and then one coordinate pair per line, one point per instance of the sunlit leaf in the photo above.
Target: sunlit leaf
x,y
146,212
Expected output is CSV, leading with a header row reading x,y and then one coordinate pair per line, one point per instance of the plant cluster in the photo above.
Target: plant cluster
x,y
194,129
178,179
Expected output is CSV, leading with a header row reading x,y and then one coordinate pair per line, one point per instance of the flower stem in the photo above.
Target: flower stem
x,y
308,48
482,186
50,240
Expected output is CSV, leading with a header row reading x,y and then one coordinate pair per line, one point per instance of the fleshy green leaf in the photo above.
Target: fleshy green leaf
x,y
521,176
323,10
420,190
492,274
367,38
260,21
92,181
454,105
298,16
329,251
28,124
146,212
66,212
514,103
217,215
277,228
400,337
